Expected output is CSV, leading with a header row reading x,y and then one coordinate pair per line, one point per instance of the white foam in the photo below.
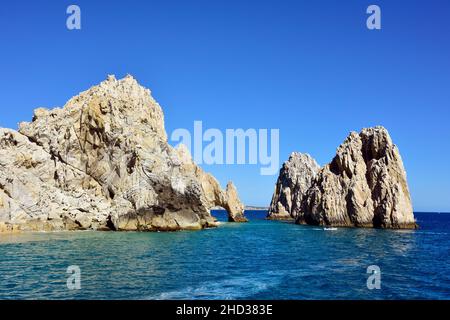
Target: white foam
x,y
226,289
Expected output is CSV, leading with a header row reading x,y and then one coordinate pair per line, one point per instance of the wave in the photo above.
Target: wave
x,y
226,289
325,229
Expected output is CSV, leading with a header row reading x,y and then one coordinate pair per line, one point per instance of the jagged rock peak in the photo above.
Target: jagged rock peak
x,y
295,178
364,185
103,162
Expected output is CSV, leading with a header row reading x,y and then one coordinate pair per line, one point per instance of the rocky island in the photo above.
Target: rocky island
x,y
363,186
103,162
295,178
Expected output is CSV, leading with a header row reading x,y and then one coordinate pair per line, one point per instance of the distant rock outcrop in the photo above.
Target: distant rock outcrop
x,y
103,162
296,176
363,186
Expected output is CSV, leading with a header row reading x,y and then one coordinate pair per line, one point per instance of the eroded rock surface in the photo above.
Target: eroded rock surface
x,y
364,186
103,162
295,178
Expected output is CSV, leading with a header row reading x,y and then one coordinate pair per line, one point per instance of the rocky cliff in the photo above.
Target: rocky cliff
x,y
295,178
103,162
363,186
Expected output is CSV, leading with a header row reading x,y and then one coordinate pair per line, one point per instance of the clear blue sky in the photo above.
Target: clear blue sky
x,y
310,68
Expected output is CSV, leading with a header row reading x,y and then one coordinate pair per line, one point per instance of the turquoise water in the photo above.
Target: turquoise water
x,y
256,260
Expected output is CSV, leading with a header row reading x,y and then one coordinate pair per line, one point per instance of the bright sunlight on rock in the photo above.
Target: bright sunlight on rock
x,y
103,162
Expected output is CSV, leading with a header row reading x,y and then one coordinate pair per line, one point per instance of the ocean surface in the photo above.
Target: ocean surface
x,y
256,260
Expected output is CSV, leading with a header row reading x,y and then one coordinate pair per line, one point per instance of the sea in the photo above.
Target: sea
x,y
259,260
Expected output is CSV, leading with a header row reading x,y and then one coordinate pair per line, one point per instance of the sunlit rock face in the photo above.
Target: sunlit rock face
x,y
363,186
295,178
103,162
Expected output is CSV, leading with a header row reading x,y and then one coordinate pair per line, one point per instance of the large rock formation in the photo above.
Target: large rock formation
x,y
363,186
103,162
295,178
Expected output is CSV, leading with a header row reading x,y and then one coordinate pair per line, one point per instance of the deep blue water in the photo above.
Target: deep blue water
x,y
256,260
